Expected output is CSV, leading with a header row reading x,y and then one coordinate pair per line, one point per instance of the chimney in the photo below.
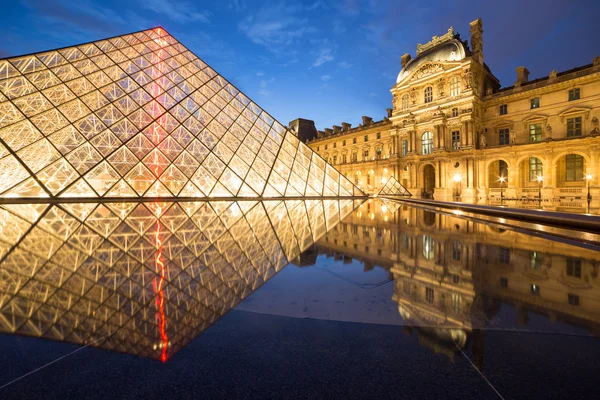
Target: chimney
x,y
404,59
367,120
389,112
522,76
328,131
346,126
477,40
336,129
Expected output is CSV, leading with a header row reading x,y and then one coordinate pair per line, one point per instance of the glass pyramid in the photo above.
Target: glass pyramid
x,y
145,278
393,188
138,116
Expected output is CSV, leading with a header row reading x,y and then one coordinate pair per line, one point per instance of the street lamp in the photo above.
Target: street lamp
x,y
540,179
588,177
457,178
502,180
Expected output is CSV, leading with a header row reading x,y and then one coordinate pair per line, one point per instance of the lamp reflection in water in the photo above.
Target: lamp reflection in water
x,y
139,277
588,178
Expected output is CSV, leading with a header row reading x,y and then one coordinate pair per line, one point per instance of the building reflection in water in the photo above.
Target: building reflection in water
x,y
145,278
452,275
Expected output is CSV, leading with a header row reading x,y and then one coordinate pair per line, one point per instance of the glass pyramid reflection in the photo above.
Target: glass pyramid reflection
x,y
140,115
145,278
394,188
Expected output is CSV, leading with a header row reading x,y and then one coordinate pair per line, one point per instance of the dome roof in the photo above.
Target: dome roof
x,y
452,50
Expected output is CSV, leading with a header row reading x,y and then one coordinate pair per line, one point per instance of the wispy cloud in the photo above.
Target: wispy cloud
x,y
178,11
344,65
276,24
237,5
260,73
325,78
324,55
263,87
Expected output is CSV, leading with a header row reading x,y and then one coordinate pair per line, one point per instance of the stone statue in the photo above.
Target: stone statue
x,y
482,141
547,132
595,123
440,86
467,79
413,96
512,136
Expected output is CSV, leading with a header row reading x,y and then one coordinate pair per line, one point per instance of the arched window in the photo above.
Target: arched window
x,y
535,169
405,101
574,167
428,247
455,86
427,143
428,94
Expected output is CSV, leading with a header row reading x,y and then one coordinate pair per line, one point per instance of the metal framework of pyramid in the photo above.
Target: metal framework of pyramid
x,y
393,188
138,116
145,278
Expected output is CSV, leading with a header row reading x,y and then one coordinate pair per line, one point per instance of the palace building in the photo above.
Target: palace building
x,y
455,134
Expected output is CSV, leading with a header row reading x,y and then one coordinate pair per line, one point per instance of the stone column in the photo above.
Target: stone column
x,y
463,134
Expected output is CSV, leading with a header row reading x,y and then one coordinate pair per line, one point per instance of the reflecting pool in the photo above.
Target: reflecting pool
x,y
328,298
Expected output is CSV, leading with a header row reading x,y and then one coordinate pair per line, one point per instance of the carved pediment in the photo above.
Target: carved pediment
x,y
503,123
535,118
426,70
574,111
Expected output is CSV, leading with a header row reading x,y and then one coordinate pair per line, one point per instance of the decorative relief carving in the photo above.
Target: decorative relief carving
x,y
438,112
413,96
441,83
426,70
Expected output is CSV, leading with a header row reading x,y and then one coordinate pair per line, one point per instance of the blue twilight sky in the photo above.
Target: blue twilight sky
x,y
325,60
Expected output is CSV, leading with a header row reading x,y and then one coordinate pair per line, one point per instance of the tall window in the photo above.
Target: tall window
x,y
335,159
504,255
535,102
343,142
427,143
344,159
455,140
354,156
429,295
574,94
574,126
428,94
455,86
334,145
574,167
404,148
503,169
365,154
536,260
574,267
354,140
455,112
405,101
428,247
378,135
366,138
456,297
378,153
504,136
535,169
456,250
503,109
325,147
535,133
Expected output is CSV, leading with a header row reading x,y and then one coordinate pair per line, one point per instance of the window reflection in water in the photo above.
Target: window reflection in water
x,y
451,274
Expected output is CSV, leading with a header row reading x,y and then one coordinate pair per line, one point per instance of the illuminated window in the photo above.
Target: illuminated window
x,y
503,109
503,136
535,103
455,86
404,148
573,126
455,140
428,94
427,143
455,112
428,247
574,94
535,169
535,133
404,101
574,167
535,289
536,260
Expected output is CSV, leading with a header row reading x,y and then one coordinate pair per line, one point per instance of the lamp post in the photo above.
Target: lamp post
x,y
588,178
502,180
457,178
540,179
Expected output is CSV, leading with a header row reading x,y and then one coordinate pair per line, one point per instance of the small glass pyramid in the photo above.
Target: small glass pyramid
x,y
140,115
393,188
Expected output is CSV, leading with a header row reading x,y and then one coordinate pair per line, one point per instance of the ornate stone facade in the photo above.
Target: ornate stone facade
x,y
455,134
